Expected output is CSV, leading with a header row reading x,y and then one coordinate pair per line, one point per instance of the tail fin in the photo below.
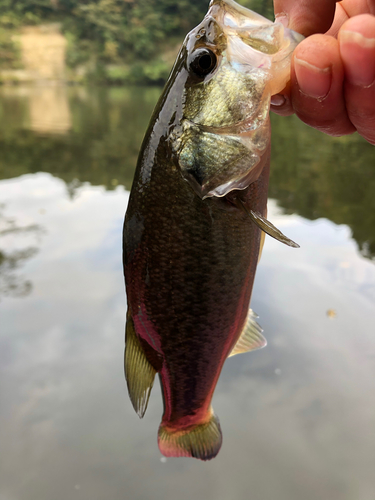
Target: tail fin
x,y
201,441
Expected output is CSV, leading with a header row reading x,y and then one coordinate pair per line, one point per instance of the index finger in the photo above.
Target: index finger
x,y
305,16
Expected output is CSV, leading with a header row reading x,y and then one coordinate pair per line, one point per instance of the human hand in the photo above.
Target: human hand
x,y
332,86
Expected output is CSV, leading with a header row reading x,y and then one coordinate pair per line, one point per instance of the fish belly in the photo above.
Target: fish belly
x,y
189,267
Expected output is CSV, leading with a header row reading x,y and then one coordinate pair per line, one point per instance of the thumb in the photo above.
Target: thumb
x,y
305,16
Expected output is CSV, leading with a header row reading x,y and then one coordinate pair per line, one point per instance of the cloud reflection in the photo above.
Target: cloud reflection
x,y
17,245
297,417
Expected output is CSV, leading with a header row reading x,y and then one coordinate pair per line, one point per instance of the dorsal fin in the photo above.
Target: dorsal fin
x,y
251,337
139,373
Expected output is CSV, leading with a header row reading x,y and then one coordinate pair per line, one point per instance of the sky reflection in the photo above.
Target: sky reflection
x,y
297,417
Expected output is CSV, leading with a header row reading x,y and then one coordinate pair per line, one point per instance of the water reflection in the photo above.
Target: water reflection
x,y
15,250
297,417
319,176
99,132
46,109
49,111
96,141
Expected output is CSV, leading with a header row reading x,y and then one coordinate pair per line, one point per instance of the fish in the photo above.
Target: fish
x,y
196,220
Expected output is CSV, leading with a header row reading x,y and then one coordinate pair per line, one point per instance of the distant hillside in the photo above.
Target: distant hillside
x,y
113,41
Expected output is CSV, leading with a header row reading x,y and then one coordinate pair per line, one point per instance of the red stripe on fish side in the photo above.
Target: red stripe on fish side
x,y
145,328
190,415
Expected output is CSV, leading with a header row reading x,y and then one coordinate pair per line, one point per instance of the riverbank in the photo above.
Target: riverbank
x,y
43,54
104,42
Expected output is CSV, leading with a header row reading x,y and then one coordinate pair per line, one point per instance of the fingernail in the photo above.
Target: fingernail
x,y
358,55
277,100
313,81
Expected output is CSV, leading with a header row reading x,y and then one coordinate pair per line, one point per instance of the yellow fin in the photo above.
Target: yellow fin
x,y
251,337
201,441
262,238
139,373
266,226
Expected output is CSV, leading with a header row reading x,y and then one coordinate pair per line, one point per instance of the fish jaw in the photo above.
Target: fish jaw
x,y
227,112
255,42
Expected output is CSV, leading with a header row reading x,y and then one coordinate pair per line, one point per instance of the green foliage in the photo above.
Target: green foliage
x,y
107,128
14,13
129,36
9,52
335,180
155,71
312,174
127,31
263,7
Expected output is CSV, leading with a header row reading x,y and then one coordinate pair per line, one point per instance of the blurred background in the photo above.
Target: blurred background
x,y
79,81
101,41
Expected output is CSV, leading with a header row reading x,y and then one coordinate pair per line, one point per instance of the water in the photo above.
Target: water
x,y
297,417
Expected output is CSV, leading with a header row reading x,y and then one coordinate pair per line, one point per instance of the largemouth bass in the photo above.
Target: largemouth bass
x,y
196,212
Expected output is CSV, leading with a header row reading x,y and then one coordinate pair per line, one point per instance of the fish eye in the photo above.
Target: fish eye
x,y
203,62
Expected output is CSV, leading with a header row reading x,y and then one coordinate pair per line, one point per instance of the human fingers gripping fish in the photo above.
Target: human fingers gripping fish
x,y
195,219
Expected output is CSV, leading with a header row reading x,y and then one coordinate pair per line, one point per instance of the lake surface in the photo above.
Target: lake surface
x,y
298,417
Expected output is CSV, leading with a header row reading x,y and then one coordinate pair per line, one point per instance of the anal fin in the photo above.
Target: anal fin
x,y
251,337
139,373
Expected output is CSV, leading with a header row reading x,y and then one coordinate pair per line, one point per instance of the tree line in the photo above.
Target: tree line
x,y
119,39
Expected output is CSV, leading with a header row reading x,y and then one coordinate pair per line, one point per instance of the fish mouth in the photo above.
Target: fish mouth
x,y
255,42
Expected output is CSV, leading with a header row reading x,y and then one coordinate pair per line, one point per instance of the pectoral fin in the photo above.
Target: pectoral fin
x,y
267,226
139,373
251,337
